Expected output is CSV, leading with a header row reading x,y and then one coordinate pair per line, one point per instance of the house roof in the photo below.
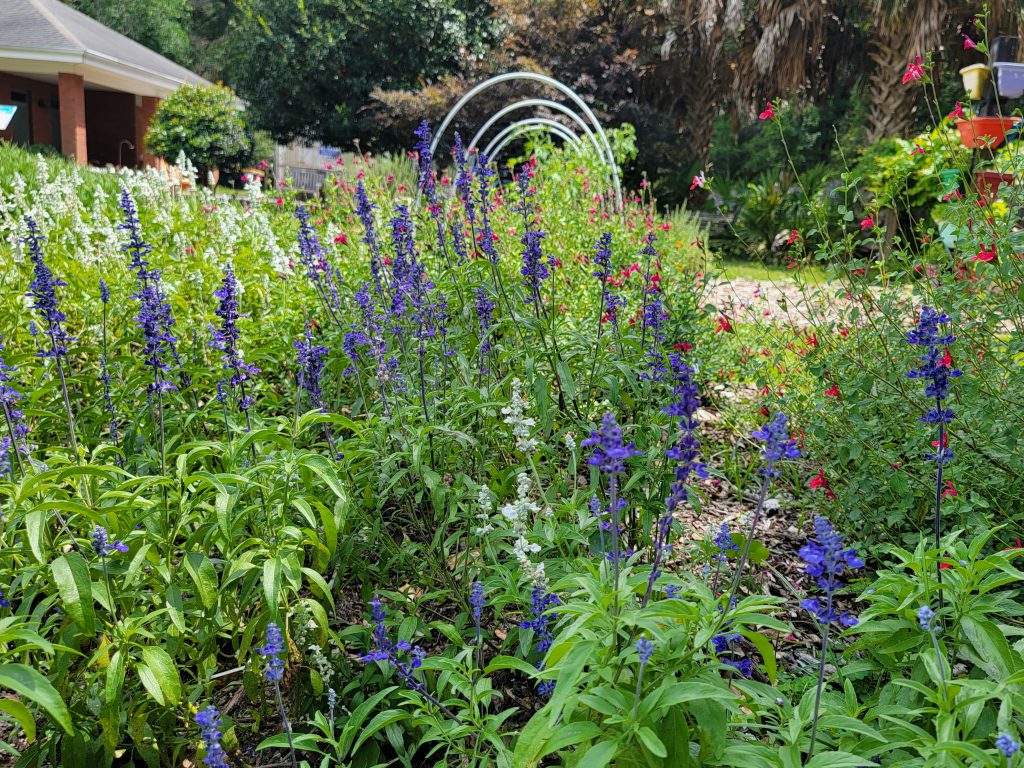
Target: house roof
x,y
46,37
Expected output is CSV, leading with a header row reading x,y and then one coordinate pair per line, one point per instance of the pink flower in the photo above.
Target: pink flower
x,y
867,223
968,43
769,112
919,150
279,201
832,391
914,71
341,239
698,181
958,112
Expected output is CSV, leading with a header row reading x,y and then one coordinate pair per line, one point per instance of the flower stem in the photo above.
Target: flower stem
x,y
284,721
821,681
765,481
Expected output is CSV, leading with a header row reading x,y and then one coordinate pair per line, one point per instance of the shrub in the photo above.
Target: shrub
x,y
205,123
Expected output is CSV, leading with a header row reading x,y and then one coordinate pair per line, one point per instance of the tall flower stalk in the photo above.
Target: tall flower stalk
x,y
43,293
105,377
827,560
610,455
684,453
17,429
271,652
926,620
226,338
318,268
778,447
389,653
936,368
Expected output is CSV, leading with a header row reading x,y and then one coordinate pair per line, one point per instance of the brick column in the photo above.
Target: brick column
x,y
71,92
145,107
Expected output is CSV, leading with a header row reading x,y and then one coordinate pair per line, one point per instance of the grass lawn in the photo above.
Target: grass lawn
x,y
754,270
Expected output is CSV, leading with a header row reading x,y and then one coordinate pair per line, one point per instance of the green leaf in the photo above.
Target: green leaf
x,y
204,576
993,653
272,584
569,670
22,714
767,651
694,690
325,471
835,760
599,755
71,573
32,685
650,740
166,674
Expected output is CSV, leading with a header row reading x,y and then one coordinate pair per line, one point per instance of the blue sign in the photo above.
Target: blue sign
x,y
6,115
331,152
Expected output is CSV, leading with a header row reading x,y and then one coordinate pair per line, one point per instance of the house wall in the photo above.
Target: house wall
x,y
43,112
109,119
110,116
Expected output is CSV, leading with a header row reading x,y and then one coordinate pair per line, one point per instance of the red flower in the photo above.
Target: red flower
x,y
832,391
698,181
919,150
914,71
341,239
983,255
769,112
968,43
793,237
279,201
819,481
950,491
682,346
723,325
867,223
958,112
946,360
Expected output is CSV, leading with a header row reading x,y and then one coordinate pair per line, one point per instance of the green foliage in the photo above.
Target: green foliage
x,y
307,69
204,123
162,25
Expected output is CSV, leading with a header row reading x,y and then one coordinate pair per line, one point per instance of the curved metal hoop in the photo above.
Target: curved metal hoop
x,y
551,83
526,103
511,132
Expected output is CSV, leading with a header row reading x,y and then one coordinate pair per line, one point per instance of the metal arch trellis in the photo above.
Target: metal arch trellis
x,y
526,103
516,129
551,83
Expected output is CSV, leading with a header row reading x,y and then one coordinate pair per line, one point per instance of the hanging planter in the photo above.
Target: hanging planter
x,y
1010,80
950,180
988,184
979,132
975,77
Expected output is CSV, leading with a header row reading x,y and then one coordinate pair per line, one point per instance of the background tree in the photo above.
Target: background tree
x,y
205,123
163,25
307,69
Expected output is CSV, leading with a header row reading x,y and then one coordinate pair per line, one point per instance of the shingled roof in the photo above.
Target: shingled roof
x,y
46,36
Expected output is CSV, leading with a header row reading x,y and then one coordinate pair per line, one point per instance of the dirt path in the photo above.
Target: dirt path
x,y
746,300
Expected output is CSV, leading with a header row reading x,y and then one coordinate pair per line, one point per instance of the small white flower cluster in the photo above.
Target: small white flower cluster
x,y
519,514
515,416
484,516
570,442
305,629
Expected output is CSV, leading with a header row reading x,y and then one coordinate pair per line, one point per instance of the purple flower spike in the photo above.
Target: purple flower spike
x,y
778,445
827,560
610,452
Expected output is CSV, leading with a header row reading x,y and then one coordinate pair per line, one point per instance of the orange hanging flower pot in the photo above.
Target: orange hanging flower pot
x,y
988,184
978,132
